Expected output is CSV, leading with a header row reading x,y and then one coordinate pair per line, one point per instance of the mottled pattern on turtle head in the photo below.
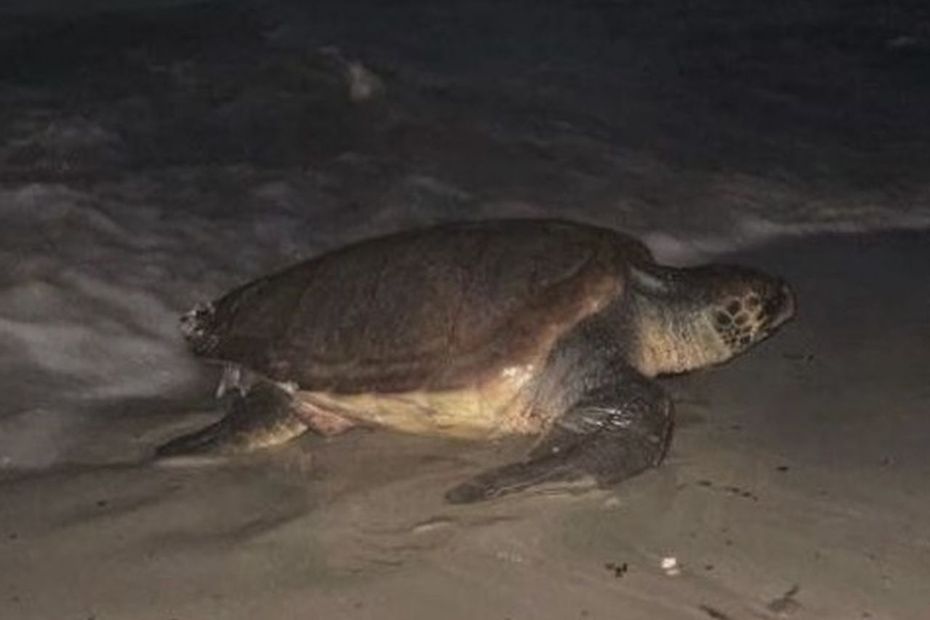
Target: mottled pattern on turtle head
x,y
695,317
746,306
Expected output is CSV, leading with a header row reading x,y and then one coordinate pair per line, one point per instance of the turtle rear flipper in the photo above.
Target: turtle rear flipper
x,y
611,433
261,418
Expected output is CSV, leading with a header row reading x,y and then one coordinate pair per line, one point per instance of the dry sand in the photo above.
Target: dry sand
x,y
796,487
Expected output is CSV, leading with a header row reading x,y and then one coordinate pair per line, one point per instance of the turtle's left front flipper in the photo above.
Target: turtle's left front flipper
x,y
615,429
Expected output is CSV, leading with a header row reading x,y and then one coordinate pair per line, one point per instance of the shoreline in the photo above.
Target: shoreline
x,y
795,487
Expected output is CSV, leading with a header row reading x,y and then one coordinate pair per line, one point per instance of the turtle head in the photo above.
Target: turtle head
x,y
714,312
744,306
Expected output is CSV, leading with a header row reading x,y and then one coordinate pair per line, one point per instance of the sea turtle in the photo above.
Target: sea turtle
x,y
480,329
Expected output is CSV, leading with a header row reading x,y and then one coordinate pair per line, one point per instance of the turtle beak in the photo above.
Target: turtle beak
x,y
780,306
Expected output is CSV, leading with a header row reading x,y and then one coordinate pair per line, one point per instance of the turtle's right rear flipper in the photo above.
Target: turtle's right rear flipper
x,y
207,440
262,418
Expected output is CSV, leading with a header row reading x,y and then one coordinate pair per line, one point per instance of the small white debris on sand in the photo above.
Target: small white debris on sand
x,y
670,566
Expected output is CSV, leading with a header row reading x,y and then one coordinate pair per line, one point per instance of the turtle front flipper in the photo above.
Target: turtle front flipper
x,y
611,432
261,418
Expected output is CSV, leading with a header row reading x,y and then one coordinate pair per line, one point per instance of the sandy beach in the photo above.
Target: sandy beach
x,y
155,153
795,488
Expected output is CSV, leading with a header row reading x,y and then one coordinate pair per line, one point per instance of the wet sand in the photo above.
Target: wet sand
x,y
796,487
